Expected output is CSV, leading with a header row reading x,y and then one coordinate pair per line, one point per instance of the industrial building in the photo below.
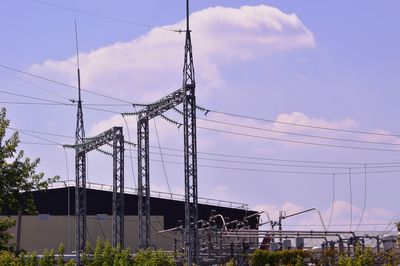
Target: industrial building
x,y
55,221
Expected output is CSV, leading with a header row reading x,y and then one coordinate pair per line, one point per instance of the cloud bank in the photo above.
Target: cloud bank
x,y
151,65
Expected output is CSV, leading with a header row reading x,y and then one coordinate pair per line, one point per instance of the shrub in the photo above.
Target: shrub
x,y
149,257
285,257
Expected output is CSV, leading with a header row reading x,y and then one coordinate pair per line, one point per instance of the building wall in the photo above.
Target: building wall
x,y
39,232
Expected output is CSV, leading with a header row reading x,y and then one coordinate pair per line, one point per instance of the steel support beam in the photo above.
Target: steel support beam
x,y
143,181
80,203
80,183
118,188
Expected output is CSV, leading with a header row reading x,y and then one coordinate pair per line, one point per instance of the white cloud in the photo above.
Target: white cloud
x,y
302,119
151,65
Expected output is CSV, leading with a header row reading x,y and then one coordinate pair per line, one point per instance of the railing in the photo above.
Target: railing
x,y
155,194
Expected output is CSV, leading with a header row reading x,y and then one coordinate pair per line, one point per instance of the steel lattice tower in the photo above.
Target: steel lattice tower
x,y
80,172
186,96
190,150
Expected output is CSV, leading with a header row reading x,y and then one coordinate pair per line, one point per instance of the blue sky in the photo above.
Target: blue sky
x,y
327,63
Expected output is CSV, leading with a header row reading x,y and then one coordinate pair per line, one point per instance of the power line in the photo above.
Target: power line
x,y
162,157
365,198
35,136
33,98
39,143
382,164
234,168
64,84
207,110
302,125
107,17
333,201
276,164
297,134
297,141
275,171
34,85
40,132
351,200
280,159
52,102
65,104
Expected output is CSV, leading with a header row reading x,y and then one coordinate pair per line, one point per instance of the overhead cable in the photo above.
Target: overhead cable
x,y
302,125
107,17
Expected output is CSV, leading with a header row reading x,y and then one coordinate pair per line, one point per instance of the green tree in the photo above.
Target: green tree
x,y
18,177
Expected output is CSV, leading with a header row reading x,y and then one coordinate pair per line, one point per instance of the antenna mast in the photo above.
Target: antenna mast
x,y
80,174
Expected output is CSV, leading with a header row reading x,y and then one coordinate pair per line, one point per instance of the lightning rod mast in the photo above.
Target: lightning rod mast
x,y
80,171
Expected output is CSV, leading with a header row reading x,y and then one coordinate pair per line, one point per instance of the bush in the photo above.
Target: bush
x,y
285,257
149,257
360,258
6,258
5,236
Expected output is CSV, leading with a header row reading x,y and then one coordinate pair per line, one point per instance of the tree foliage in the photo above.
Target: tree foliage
x,y
17,177
284,257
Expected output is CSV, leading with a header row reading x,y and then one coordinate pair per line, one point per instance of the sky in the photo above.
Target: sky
x,y
262,69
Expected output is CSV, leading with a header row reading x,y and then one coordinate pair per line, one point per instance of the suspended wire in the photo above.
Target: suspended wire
x,y
376,164
64,84
351,200
38,143
162,158
302,125
333,201
130,152
297,134
41,132
34,85
107,17
274,171
297,141
279,159
365,197
56,102
276,164
68,198
35,136
233,168
35,103
66,104
33,98
207,110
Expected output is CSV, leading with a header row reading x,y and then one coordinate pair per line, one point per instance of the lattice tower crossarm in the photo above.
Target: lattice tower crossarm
x,y
114,135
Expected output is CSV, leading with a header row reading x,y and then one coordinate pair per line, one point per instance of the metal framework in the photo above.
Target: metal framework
x,y
114,135
80,172
143,182
186,96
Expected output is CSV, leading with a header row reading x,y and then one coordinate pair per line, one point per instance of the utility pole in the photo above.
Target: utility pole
x,y
80,171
